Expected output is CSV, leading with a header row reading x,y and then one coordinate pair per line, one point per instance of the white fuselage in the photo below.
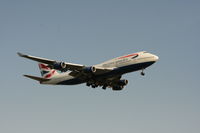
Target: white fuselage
x,y
119,66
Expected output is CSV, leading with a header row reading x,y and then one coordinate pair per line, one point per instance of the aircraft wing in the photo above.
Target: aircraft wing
x,y
64,66
70,66
38,59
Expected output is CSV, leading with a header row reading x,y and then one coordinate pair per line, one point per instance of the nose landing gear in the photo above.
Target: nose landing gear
x,y
142,73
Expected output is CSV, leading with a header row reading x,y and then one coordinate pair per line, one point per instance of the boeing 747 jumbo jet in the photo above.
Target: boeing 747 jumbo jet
x,y
106,74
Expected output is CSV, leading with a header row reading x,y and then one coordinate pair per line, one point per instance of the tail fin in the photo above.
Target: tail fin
x,y
46,71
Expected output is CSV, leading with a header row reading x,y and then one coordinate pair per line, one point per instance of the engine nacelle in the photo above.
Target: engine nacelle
x,y
117,88
90,69
59,65
123,82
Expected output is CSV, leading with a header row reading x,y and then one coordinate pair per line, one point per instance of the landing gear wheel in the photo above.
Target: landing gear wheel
x,y
142,73
104,87
88,84
93,86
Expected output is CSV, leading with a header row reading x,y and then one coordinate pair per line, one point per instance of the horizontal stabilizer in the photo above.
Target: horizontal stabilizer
x,y
36,78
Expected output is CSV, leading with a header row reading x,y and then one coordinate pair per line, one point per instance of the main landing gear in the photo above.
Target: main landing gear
x,y
104,87
142,73
93,85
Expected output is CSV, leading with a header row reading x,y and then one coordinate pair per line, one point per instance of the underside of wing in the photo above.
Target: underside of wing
x,y
98,71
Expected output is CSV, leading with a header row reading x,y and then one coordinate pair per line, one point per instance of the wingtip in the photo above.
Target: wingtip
x,y
19,54
25,75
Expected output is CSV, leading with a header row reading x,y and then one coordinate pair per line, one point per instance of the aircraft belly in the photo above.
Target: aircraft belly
x,y
133,67
126,69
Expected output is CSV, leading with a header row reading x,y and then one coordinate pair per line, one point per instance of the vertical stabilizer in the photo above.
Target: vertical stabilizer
x,y
46,71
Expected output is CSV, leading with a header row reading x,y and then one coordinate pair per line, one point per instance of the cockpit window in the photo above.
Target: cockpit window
x,y
135,56
145,52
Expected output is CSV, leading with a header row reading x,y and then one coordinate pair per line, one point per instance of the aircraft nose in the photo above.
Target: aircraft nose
x,y
156,57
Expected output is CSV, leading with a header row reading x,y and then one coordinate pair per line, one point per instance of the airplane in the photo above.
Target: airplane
x,y
106,75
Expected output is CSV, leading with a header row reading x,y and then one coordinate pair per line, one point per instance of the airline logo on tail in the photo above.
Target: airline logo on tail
x,y
46,71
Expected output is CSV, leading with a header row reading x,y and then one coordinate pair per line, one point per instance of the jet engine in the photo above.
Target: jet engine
x,y
90,69
59,65
123,82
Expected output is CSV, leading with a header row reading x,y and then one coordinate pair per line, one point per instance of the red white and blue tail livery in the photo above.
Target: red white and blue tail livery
x,y
106,74
46,71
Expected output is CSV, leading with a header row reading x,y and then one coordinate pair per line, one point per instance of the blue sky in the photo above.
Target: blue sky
x,y
89,32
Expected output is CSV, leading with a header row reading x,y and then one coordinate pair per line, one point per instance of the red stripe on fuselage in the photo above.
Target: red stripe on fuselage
x,y
128,56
